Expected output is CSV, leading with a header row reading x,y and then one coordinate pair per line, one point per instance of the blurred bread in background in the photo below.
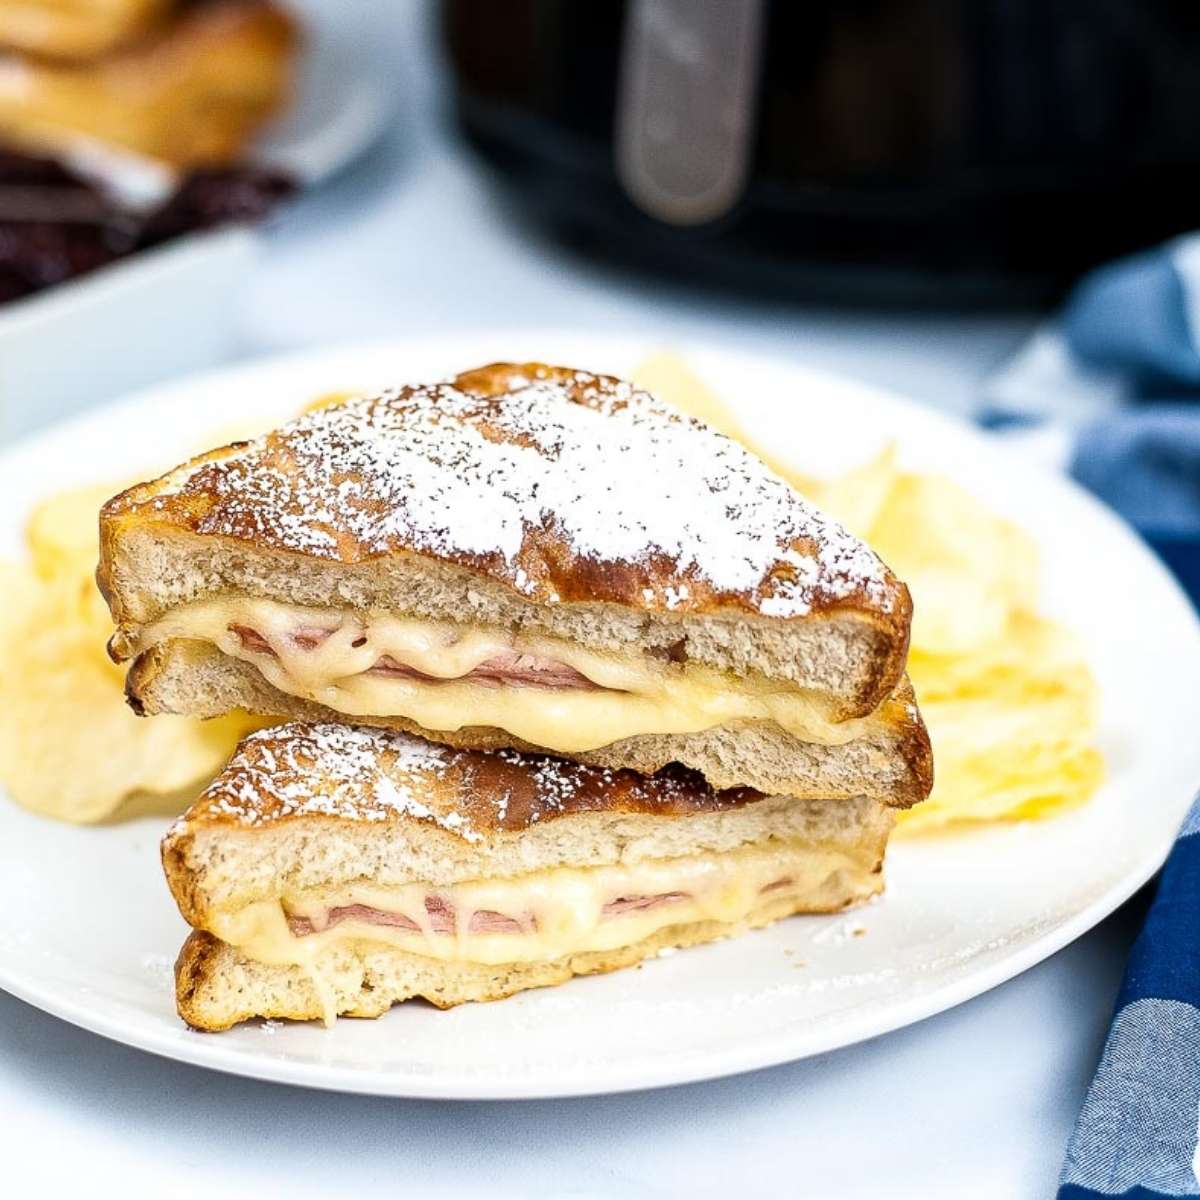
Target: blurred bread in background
x,y
184,85
77,29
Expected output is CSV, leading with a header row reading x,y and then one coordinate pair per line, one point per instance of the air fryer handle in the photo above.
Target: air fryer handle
x,y
686,95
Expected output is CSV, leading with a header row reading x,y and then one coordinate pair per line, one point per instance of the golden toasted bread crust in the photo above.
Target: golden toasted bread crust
x,y
643,507
365,774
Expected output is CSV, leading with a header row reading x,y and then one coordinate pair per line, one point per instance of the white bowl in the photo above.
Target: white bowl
x,y
160,312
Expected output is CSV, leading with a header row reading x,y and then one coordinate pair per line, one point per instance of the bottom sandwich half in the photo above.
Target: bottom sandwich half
x,y
333,870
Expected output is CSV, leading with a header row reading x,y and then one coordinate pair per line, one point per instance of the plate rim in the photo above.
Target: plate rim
x,y
784,1046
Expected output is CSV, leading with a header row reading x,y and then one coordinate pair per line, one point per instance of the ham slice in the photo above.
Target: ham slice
x,y
628,904
442,918
485,921
774,887
511,670
302,926
252,640
307,637
527,670
440,913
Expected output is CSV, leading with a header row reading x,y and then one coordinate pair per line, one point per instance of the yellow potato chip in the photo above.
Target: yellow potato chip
x,y
1030,653
328,400
1012,727
63,529
859,497
69,745
966,568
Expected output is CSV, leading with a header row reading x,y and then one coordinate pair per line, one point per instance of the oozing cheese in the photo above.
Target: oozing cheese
x,y
561,910
635,695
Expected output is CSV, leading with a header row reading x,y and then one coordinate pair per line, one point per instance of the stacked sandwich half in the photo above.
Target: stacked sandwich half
x,y
571,678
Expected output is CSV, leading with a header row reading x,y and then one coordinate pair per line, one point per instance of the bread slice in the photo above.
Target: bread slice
x,y
536,500
889,758
337,869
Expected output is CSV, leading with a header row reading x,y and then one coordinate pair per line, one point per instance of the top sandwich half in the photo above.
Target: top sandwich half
x,y
527,556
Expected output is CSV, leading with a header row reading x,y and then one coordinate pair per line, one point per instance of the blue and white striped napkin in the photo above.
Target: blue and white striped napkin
x,y
1113,385
1137,1134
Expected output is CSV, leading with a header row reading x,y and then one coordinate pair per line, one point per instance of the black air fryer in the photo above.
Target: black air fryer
x,y
952,150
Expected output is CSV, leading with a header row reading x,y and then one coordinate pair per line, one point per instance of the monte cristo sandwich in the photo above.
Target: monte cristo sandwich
x,y
530,558
333,869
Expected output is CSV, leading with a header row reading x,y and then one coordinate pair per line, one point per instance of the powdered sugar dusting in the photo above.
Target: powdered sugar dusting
x,y
562,477
367,774
333,770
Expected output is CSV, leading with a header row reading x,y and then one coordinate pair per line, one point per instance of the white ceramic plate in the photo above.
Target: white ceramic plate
x,y
90,931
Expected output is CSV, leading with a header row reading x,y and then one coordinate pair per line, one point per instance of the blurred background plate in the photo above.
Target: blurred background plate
x,y
180,289
344,97
91,932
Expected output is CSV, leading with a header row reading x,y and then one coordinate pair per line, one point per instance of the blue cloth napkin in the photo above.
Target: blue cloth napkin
x,y
1119,372
1137,1134
1118,375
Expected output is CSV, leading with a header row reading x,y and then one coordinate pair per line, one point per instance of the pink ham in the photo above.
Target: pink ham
x,y
527,670
390,667
508,669
774,887
440,913
511,669
442,918
302,926
485,921
309,637
627,904
252,640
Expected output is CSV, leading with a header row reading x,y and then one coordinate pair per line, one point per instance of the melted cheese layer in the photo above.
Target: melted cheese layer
x,y
634,696
561,910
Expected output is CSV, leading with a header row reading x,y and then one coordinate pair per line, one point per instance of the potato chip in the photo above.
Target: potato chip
x,y
858,498
329,400
63,529
968,570
69,745
1008,698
